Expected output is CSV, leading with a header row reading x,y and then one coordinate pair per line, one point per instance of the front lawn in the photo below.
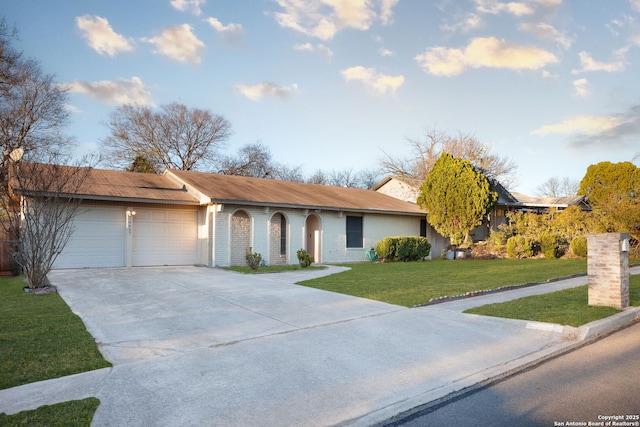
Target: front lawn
x,y
414,283
77,413
565,307
40,338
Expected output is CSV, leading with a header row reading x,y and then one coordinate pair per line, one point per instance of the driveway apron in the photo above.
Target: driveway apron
x,y
197,346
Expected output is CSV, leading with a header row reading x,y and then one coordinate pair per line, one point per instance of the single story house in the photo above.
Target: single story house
x,y
194,218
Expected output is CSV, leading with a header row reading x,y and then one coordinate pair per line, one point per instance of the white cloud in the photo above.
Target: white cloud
x,y
547,75
581,87
121,91
380,83
231,32
324,18
465,24
179,43
319,49
188,5
547,31
386,52
635,4
386,11
604,131
587,125
495,7
484,52
261,90
589,64
101,37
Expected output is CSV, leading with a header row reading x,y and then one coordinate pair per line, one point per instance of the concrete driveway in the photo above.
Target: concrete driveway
x,y
205,347
136,314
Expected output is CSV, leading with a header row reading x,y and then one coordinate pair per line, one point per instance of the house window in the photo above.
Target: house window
x,y
423,228
354,232
283,235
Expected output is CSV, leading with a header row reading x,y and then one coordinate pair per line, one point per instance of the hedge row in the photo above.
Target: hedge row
x,y
403,248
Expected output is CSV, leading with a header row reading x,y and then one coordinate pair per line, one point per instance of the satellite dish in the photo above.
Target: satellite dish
x,y
16,154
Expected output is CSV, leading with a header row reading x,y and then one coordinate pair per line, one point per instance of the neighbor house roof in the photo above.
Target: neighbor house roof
x,y
269,192
100,184
547,202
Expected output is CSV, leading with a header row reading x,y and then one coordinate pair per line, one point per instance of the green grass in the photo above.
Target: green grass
x,y
77,413
413,283
40,338
566,307
272,269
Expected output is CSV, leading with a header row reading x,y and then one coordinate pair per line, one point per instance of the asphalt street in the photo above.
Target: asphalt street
x,y
595,384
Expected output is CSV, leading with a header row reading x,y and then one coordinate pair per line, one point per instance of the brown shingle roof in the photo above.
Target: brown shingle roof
x,y
269,192
100,184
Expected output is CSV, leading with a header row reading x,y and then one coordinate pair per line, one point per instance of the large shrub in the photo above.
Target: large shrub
x,y
579,246
403,248
550,246
519,247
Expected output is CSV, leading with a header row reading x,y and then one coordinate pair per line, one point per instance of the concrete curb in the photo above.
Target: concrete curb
x,y
608,324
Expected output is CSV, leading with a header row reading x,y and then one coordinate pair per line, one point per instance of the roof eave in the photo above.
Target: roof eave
x,y
319,208
112,198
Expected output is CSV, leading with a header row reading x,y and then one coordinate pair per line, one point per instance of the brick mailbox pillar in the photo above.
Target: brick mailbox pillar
x,y
608,267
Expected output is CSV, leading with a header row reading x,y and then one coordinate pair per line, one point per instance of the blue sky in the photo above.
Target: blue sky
x,y
331,84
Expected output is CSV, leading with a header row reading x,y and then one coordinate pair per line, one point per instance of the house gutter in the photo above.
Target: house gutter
x,y
314,208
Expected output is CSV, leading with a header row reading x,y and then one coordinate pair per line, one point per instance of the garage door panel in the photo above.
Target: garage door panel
x,y
97,240
165,237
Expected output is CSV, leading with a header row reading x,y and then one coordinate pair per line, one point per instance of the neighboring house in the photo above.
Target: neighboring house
x,y
194,218
407,189
543,205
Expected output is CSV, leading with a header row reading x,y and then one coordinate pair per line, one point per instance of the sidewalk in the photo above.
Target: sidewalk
x,y
357,371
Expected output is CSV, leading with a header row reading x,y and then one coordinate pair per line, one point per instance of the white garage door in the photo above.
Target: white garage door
x,y
98,239
165,237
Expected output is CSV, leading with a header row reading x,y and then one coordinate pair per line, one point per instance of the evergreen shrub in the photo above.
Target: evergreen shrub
x,y
403,248
519,247
550,246
579,246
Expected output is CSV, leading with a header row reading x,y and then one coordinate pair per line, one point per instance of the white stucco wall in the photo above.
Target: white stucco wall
x,y
333,233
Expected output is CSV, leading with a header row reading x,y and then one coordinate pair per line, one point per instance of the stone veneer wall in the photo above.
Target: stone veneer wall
x,y
608,269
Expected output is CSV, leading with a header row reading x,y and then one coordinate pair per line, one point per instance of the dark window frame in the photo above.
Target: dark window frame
x,y
283,235
354,232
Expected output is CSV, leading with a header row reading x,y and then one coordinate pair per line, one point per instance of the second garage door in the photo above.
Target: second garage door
x,y
165,237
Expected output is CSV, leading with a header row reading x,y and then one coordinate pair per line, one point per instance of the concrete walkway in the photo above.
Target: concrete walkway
x,y
197,346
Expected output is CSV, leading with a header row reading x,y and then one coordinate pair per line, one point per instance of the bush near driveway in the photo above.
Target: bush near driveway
x,y
414,283
40,338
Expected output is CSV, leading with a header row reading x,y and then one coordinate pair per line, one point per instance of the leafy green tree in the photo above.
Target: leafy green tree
x,y
613,189
457,198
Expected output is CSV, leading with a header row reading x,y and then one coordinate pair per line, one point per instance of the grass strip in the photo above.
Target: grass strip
x,y
76,413
40,338
272,269
413,283
565,307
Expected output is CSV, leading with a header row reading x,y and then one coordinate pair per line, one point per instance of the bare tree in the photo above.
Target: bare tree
x,y
318,177
252,160
47,197
255,160
343,178
32,104
425,152
176,137
558,187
